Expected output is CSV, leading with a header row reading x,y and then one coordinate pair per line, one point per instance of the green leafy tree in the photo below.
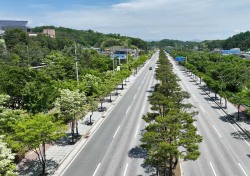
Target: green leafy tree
x,y
7,166
93,106
13,37
39,94
36,131
13,79
72,106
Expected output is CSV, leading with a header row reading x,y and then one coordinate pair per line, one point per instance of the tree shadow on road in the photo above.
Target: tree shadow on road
x,y
149,169
239,135
33,167
137,152
225,118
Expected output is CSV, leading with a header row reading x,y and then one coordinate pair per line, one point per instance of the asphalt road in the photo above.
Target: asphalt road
x,y
224,151
112,149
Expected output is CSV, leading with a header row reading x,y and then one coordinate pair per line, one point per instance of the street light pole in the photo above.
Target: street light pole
x,y
127,56
113,58
76,62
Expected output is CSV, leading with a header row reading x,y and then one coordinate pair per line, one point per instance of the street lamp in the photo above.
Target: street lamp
x,y
76,62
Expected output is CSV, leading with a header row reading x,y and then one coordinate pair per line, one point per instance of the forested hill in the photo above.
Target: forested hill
x,y
167,43
241,41
93,38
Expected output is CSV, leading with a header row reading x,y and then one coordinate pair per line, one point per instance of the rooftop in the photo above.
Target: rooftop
x,y
13,24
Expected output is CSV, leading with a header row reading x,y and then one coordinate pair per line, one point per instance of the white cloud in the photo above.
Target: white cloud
x,y
156,19
236,31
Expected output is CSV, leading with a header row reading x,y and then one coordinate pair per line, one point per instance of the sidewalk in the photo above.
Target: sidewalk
x,y
60,154
231,110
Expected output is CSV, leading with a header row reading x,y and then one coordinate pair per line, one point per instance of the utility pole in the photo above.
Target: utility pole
x,y
76,62
127,55
113,58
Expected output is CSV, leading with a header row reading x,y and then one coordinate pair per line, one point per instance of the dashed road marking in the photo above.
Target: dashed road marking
x,y
116,131
128,109
125,171
217,131
243,169
137,130
96,169
212,168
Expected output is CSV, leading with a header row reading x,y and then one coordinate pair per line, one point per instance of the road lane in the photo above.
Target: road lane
x,y
223,152
116,158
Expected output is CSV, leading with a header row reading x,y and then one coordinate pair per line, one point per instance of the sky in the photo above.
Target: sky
x,y
187,20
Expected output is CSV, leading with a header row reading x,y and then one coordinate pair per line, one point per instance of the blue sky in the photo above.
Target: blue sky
x,y
146,19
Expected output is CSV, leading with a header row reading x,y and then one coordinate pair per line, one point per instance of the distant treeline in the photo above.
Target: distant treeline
x,y
241,40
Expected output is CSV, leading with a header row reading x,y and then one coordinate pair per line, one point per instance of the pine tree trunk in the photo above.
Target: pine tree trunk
x,y
225,102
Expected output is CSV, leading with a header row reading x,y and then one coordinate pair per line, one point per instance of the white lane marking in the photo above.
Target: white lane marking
x,y
212,168
137,130
194,96
116,131
243,169
139,87
232,126
128,109
247,143
221,113
217,131
96,169
202,109
143,81
142,109
125,171
135,96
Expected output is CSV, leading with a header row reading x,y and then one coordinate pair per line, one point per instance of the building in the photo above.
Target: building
x,y
50,32
180,58
12,24
230,52
121,53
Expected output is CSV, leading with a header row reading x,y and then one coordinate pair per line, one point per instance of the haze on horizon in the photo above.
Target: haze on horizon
x,y
150,20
